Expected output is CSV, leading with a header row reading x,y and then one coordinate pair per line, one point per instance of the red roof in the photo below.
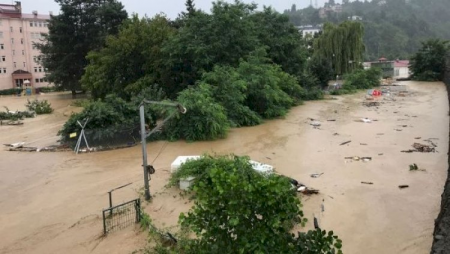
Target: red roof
x,y
401,63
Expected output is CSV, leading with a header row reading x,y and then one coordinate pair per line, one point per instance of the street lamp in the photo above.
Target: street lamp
x,y
145,135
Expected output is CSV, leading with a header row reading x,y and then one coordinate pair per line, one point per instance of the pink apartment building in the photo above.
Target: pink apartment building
x,y
19,58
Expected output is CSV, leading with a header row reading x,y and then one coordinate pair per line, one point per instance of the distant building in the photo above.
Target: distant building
x,y
309,30
401,69
355,18
382,2
391,69
323,12
19,58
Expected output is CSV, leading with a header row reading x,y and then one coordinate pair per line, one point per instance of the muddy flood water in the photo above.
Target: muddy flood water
x,y
52,202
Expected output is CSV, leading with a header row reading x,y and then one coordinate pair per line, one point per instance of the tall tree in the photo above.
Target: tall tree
x,y
342,45
285,45
131,60
429,63
81,26
190,6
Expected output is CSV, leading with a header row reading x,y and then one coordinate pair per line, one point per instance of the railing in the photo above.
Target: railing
x,y
121,216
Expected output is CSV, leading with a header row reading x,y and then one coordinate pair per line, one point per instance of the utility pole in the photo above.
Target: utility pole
x,y
145,135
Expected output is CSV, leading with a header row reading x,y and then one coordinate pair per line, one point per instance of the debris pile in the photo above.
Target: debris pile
x,y
421,148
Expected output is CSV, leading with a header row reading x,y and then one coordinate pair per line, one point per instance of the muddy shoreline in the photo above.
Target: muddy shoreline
x,y
441,235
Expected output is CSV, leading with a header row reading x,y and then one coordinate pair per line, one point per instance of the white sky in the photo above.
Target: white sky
x,y
170,7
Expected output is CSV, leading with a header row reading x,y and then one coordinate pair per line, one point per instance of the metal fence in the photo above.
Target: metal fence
x,y
121,216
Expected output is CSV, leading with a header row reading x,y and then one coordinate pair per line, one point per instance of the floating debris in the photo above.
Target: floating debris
x,y
346,142
369,183
403,186
316,175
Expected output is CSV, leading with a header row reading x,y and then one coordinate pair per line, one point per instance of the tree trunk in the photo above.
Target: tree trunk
x,y
74,94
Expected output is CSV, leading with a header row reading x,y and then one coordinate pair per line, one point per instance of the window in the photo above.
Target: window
x,y
35,69
11,29
3,58
15,65
31,23
2,46
40,24
12,40
20,29
42,80
4,70
34,46
23,52
21,40
45,24
14,52
35,24
24,64
36,80
40,69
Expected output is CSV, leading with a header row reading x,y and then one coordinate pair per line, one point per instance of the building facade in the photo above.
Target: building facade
x,y
309,30
19,58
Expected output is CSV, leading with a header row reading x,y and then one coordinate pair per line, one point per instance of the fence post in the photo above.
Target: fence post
x,y
104,223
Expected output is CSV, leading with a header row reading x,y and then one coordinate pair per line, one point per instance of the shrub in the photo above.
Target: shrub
x,y
11,91
229,90
40,107
48,89
205,119
238,210
106,117
362,79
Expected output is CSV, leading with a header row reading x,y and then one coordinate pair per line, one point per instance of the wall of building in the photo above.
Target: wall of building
x,y
17,52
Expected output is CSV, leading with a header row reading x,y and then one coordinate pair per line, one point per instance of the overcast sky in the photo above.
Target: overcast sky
x,y
170,7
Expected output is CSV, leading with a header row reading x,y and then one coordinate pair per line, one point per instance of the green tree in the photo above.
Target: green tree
x,y
284,43
342,45
429,63
204,120
131,60
322,69
239,210
80,27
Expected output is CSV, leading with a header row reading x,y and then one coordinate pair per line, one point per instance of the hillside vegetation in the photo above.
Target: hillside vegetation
x,y
393,28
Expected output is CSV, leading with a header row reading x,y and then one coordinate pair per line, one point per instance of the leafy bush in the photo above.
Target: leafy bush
x,y
229,90
205,119
15,115
48,89
238,210
362,79
107,117
11,91
82,103
40,107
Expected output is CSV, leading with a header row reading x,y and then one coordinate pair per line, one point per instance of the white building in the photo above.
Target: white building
x,y
401,69
309,30
19,58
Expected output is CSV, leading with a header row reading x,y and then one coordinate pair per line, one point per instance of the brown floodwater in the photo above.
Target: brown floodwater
x,y
52,202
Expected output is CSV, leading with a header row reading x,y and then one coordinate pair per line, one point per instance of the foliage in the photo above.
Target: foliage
x,y
11,91
362,79
322,70
40,107
131,60
108,116
413,167
82,103
205,119
81,26
342,45
15,115
393,30
318,241
230,91
47,89
284,42
429,63
239,210
268,87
